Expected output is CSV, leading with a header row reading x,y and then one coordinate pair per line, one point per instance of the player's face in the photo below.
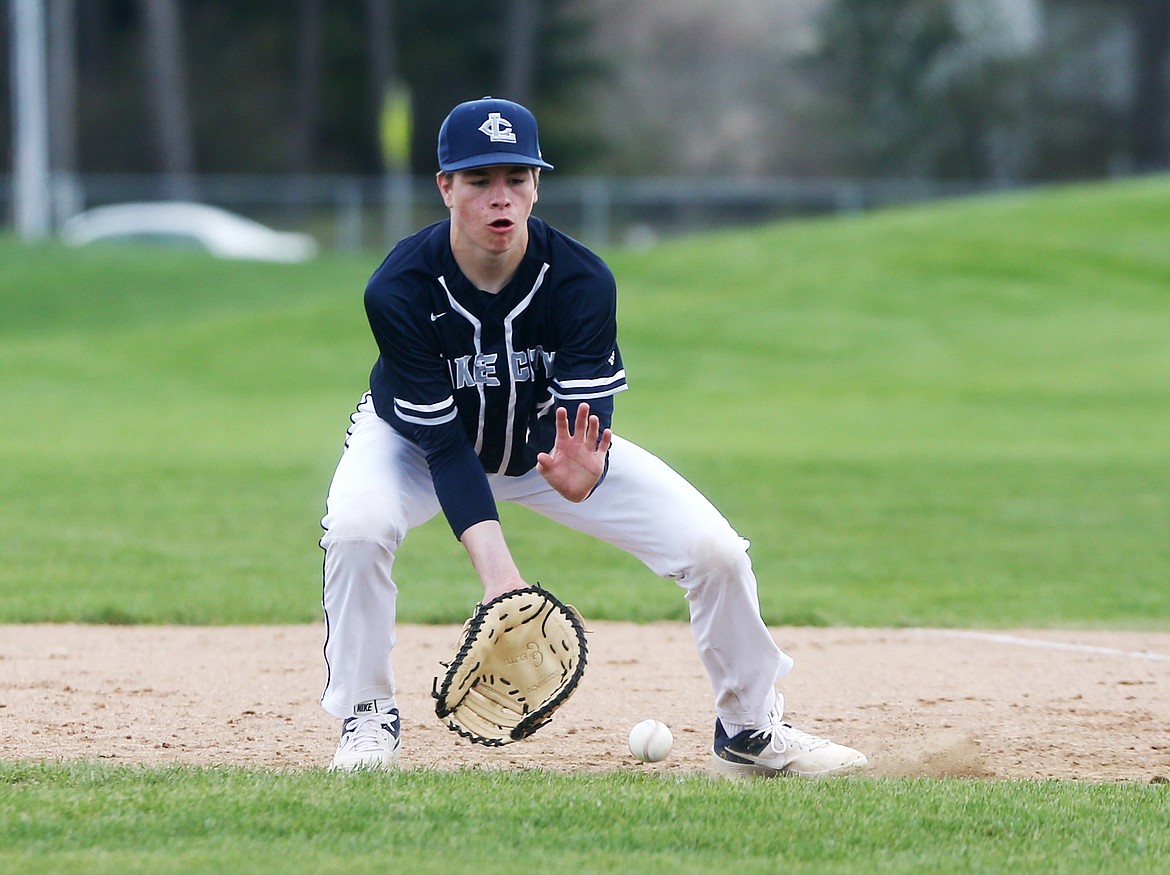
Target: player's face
x,y
490,206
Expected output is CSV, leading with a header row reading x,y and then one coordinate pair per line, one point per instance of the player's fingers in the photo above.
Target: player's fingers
x,y
582,423
593,432
562,424
606,439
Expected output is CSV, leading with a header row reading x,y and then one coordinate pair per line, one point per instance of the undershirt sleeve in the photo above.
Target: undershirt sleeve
x,y
412,392
460,483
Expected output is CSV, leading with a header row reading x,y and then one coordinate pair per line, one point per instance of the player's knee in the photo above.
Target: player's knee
x,y
714,557
361,522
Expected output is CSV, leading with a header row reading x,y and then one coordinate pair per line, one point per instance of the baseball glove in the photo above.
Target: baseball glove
x,y
520,657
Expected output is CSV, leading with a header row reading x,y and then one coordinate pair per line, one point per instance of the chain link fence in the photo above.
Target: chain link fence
x,y
370,213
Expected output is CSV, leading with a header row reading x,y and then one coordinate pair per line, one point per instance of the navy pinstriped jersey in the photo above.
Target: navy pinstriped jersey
x,y
474,377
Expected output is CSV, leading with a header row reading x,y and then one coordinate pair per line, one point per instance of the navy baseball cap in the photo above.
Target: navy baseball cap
x,y
480,133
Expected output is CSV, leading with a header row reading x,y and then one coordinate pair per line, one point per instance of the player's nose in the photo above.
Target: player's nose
x,y
500,195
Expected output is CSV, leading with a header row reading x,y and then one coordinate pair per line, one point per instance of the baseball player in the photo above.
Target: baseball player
x,y
497,371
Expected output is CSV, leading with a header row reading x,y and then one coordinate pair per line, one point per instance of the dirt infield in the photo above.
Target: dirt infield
x,y
1025,704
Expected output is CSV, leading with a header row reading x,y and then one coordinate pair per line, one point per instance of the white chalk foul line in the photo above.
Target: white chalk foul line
x,y
998,638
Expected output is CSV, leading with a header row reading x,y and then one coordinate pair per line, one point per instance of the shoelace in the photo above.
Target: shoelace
x,y
366,733
792,736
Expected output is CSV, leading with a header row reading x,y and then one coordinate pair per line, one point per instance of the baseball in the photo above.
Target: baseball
x,y
651,741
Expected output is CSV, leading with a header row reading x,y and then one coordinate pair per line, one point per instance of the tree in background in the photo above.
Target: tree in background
x,y
62,57
167,93
963,89
466,49
521,29
306,79
933,88
1151,92
995,89
238,86
705,87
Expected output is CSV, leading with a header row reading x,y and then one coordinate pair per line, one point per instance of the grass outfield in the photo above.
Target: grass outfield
x,y
97,819
947,415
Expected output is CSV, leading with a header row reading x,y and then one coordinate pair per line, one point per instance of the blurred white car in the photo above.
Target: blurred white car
x,y
179,223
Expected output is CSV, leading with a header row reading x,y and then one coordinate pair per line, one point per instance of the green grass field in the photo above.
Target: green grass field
x,y
97,819
950,415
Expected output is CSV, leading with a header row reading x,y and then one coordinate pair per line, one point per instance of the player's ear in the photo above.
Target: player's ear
x,y
444,181
535,184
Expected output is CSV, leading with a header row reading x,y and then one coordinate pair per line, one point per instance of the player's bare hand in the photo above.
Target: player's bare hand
x,y
577,459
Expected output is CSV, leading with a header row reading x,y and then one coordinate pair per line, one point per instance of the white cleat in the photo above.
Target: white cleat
x,y
368,741
782,749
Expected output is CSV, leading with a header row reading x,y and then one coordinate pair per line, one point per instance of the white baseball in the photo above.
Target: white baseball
x,y
651,741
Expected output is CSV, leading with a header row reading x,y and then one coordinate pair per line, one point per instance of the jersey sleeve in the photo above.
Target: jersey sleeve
x,y
412,391
588,365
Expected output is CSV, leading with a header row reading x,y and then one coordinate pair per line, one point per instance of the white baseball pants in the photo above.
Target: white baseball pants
x,y
382,488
